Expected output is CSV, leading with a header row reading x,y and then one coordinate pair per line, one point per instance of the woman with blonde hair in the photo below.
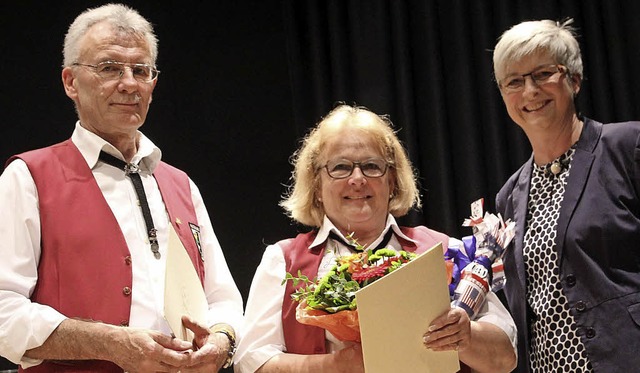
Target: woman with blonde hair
x,y
352,177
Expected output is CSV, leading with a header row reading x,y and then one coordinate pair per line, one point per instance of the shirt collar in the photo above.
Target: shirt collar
x,y
328,226
89,144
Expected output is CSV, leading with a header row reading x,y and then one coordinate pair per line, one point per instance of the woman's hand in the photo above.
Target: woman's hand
x,y
483,346
450,331
349,359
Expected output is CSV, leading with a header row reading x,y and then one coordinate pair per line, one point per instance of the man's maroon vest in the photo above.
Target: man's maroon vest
x,y
85,264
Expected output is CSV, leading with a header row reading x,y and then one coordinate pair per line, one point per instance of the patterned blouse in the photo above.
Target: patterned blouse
x,y
555,346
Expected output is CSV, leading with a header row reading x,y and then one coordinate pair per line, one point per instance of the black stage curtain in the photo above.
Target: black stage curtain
x,y
243,81
428,64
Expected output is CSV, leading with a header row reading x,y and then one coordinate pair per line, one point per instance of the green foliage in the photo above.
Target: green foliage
x,y
336,290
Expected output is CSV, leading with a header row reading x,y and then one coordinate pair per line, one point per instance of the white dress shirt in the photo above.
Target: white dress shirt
x,y
263,336
25,325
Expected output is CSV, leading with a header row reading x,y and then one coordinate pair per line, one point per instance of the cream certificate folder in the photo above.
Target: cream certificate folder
x,y
183,292
395,312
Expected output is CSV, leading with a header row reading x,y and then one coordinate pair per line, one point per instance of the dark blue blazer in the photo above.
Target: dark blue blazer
x,y
598,245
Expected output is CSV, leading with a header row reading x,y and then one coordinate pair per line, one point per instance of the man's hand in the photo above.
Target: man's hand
x,y
138,350
133,349
210,349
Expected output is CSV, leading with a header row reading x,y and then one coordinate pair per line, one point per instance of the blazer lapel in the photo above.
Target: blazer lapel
x,y
520,197
576,182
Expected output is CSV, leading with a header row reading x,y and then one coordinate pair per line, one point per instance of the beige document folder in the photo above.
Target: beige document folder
x,y
395,312
183,292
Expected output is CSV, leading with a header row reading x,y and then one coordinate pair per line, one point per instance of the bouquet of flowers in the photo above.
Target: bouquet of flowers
x,y
479,269
330,302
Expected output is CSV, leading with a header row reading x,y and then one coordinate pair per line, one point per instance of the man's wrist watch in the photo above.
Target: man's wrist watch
x,y
226,330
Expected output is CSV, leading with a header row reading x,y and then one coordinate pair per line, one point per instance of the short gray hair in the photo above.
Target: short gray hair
x,y
119,16
526,38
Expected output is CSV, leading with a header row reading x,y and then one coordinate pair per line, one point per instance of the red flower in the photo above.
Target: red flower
x,y
371,272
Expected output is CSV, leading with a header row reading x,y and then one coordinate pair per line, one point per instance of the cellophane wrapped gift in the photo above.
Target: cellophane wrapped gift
x,y
478,265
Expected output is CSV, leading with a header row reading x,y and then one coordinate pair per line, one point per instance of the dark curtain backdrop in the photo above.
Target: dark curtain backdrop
x,y
429,65
243,81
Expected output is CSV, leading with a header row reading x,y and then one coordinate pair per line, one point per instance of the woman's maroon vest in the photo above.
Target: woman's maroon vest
x,y
305,339
308,340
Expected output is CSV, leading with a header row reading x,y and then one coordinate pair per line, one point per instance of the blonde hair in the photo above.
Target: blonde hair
x,y
526,38
300,202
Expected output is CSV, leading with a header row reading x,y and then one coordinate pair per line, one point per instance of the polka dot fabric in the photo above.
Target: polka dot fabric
x,y
555,346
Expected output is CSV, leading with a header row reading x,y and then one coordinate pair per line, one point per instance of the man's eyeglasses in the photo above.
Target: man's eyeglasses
x,y
112,70
541,75
343,168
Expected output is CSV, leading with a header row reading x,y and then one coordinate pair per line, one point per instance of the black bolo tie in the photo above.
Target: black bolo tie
x,y
385,241
133,172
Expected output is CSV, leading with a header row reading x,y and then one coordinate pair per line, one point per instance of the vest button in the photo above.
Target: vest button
x,y
126,291
571,281
581,306
127,260
591,332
